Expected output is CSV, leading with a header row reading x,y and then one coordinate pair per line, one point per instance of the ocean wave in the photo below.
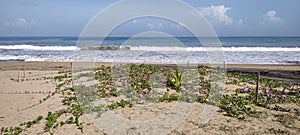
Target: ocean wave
x,y
42,48
103,48
179,57
150,48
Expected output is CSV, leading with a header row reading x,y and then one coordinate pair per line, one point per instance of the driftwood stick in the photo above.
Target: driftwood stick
x,y
293,86
284,88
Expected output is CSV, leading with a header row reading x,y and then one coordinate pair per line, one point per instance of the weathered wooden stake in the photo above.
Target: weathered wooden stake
x,y
72,74
224,69
18,73
257,85
23,72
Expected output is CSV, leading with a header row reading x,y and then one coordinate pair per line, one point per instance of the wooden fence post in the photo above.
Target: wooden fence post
x,y
18,73
23,71
257,85
72,74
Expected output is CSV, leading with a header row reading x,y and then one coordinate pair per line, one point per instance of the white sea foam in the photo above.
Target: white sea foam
x,y
12,58
32,47
152,54
21,58
225,49
157,48
37,59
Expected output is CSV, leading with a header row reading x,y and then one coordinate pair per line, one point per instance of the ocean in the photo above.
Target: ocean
x,y
158,50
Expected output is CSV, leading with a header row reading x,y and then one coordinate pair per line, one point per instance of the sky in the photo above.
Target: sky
x,y
227,18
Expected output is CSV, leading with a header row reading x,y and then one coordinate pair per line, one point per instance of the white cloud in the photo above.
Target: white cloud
x,y
21,23
217,14
155,25
271,18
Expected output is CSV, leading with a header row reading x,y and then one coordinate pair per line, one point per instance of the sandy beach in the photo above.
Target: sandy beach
x,y
149,67
56,66
29,90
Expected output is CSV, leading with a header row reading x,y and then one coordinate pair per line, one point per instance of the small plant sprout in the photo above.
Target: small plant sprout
x,y
175,81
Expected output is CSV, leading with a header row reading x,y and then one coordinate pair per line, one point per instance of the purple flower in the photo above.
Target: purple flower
x,y
227,106
265,99
141,95
244,89
267,90
286,97
259,93
199,95
87,107
273,95
58,111
276,99
66,102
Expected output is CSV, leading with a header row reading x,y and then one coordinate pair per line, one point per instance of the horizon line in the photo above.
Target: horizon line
x,y
253,36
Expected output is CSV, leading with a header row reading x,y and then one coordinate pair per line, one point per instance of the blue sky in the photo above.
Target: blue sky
x,y
227,17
